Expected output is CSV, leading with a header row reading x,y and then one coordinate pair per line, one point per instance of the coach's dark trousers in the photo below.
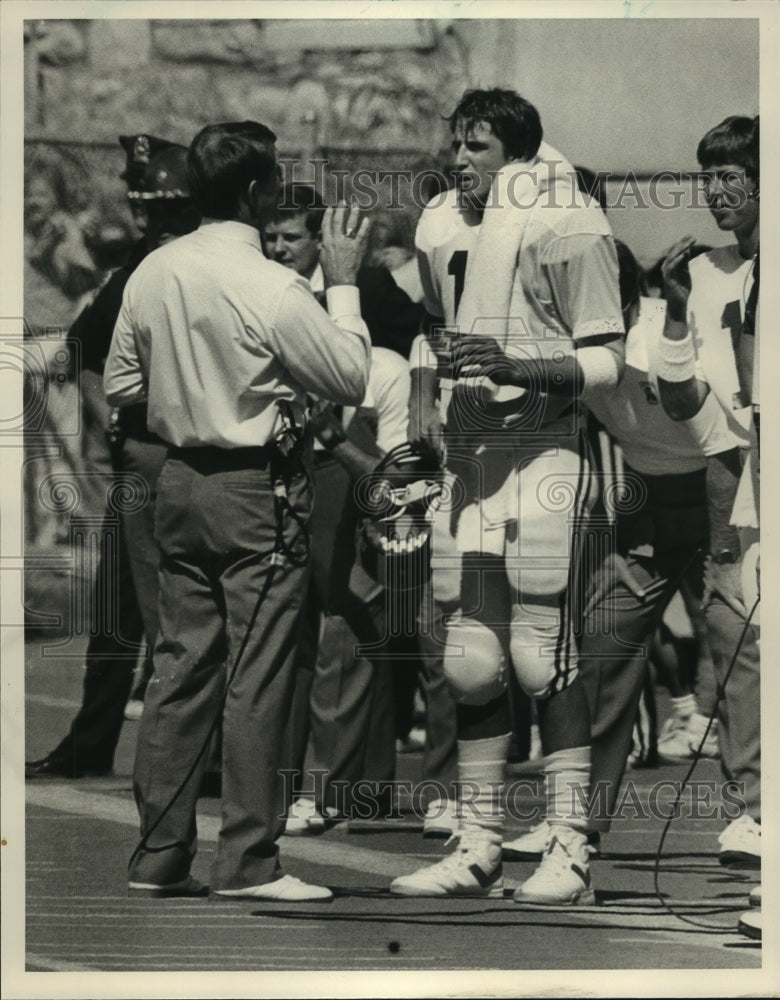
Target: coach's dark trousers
x,y
216,526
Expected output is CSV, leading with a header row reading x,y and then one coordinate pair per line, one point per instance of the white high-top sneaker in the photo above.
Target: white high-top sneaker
x,y
473,869
533,845
563,877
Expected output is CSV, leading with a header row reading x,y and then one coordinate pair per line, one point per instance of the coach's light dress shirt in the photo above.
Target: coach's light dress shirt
x,y
212,333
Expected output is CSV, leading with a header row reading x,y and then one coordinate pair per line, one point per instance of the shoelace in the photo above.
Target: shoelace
x,y
557,867
462,844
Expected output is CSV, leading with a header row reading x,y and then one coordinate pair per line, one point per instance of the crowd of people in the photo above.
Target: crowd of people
x,y
477,470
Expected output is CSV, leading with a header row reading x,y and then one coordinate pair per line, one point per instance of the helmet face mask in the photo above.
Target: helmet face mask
x,y
398,501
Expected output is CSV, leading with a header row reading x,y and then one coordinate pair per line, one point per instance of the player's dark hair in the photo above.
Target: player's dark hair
x,y
302,199
735,141
514,120
632,280
222,162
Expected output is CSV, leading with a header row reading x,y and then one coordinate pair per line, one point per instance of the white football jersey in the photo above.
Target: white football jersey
x,y
721,281
652,442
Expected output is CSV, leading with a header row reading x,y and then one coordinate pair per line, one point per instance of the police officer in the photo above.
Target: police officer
x,y
129,577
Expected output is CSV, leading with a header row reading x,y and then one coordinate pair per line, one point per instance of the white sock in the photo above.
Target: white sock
x,y
567,774
481,770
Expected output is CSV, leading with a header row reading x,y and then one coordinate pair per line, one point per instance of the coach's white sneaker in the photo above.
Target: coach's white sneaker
x,y
473,869
755,895
563,877
532,846
286,889
740,844
441,818
303,819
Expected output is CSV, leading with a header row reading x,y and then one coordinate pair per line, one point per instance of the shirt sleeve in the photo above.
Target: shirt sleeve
x,y
582,270
328,355
124,379
391,398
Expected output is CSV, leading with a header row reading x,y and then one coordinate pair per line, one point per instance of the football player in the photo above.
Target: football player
x,y
709,360
521,281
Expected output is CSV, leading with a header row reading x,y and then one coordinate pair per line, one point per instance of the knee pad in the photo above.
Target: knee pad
x,y
474,662
543,651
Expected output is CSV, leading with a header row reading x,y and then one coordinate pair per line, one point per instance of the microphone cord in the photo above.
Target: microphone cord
x,y
721,694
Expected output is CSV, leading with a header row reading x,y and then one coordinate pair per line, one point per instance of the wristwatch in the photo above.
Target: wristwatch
x,y
724,557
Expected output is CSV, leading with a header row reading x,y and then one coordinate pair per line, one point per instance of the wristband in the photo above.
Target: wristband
x,y
676,359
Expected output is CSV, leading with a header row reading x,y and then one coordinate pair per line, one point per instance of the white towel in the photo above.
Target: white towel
x,y
490,270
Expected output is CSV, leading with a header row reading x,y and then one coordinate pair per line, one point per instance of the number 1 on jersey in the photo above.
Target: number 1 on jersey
x,y
457,268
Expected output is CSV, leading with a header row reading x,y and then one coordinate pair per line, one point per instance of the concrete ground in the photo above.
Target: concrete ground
x,y
78,919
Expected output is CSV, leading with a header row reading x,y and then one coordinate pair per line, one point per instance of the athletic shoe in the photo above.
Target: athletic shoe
x,y
740,844
286,889
303,819
440,818
673,739
697,724
473,869
187,887
532,846
563,877
755,895
750,924
680,739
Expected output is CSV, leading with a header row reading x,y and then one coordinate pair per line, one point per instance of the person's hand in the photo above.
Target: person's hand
x,y
473,356
677,280
725,580
344,241
391,257
425,428
613,572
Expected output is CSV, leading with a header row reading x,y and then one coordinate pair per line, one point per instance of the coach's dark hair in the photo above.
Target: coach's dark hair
x,y
514,120
302,199
735,141
222,162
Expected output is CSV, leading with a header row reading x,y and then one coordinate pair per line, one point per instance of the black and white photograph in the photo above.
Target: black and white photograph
x,y
380,464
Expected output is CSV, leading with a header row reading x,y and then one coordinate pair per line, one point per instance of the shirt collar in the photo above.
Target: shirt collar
x,y
231,229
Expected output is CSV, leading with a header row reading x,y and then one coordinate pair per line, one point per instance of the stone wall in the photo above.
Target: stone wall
x,y
316,83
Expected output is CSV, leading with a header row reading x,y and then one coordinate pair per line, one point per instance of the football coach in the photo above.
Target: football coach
x,y
224,345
